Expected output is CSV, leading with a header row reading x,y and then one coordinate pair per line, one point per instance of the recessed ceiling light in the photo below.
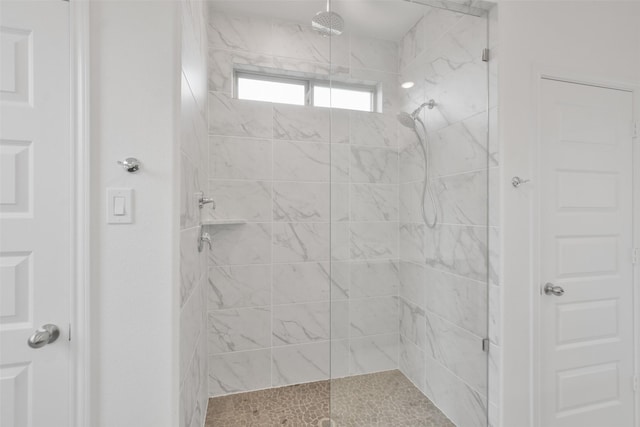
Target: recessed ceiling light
x,y
407,85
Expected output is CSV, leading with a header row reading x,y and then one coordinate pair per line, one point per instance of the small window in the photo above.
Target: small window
x,y
343,97
317,93
271,89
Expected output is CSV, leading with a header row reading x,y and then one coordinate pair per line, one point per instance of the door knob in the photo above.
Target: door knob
x,y
43,336
551,289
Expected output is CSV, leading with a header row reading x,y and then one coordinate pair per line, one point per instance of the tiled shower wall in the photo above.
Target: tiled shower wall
x,y
443,286
193,172
314,185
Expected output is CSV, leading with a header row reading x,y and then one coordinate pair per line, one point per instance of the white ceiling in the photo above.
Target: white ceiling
x,y
384,19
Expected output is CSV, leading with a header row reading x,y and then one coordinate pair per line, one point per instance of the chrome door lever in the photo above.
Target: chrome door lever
x,y
551,289
43,336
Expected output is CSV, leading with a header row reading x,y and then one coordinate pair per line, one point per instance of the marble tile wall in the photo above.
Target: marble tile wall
x,y
308,288
444,270
194,172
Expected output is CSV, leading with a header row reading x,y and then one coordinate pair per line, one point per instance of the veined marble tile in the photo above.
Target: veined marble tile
x,y
373,240
462,198
239,371
191,326
302,363
340,279
411,160
339,358
374,278
461,147
495,258
293,40
222,63
495,315
413,281
240,244
193,123
239,329
411,202
190,409
376,54
301,282
461,250
189,186
412,362
374,316
249,200
239,286
339,320
239,158
412,242
412,44
374,202
495,374
457,350
413,323
340,125
461,404
374,165
457,75
194,45
373,354
340,202
340,163
301,323
293,242
458,300
437,22
301,123
340,241
233,117
191,269
388,84
301,161
373,129
301,201
239,32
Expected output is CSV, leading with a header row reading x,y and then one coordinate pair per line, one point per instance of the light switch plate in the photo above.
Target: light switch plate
x,y
125,194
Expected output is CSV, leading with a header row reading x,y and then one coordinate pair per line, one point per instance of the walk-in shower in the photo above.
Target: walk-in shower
x,y
409,121
348,275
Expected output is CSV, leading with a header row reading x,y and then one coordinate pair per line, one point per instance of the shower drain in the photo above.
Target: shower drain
x,y
326,422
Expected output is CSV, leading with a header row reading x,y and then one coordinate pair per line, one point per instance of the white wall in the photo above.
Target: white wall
x,y
597,40
135,78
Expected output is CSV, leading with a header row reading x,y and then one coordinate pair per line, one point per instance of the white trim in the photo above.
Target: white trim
x,y
553,73
80,393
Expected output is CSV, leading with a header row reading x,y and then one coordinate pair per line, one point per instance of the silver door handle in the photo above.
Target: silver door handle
x,y
43,336
551,289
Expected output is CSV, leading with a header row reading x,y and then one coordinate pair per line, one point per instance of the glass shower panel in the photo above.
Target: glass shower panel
x,y
409,216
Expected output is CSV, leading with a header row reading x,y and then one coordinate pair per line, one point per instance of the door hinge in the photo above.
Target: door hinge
x,y
485,345
485,54
635,255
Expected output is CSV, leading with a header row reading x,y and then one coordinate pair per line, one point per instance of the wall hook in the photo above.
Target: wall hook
x,y
516,181
130,164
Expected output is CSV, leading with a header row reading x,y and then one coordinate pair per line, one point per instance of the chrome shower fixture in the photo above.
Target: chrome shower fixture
x,y
328,23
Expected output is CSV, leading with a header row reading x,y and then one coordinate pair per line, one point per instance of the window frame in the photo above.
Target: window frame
x,y
309,85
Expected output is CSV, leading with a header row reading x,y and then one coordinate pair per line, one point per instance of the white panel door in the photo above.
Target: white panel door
x,y
586,334
35,167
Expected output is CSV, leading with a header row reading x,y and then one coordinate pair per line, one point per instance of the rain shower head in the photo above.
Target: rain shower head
x,y
328,23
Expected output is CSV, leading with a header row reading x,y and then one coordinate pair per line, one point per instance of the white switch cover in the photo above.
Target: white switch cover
x,y
119,202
